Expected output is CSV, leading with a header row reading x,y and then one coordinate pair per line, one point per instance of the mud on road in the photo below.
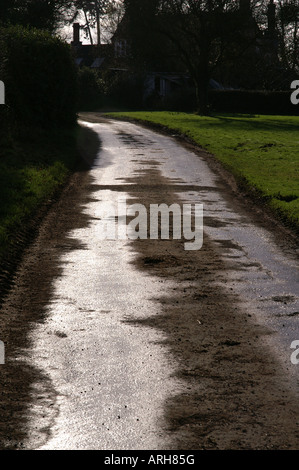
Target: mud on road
x,y
236,394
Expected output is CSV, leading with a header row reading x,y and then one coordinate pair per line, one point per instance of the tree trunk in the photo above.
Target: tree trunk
x,y
202,101
98,27
88,27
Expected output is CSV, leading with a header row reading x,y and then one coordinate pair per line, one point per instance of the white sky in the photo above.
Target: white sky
x,y
67,32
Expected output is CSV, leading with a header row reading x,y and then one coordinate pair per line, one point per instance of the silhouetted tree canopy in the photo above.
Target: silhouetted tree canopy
x,y
41,14
197,31
206,36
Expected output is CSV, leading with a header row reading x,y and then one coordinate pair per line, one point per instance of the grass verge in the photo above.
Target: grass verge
x,y
260,151
33,167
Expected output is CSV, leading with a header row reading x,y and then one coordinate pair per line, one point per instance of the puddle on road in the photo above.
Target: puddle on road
x,y
111,377
258,268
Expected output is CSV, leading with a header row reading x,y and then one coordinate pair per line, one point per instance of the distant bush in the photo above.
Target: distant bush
x,y
124,89
253,102
91,89
227,101
237,101
183,99
40,78
4,121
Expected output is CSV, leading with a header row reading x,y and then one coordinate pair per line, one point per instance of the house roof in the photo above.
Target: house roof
x,y
97,62
79,60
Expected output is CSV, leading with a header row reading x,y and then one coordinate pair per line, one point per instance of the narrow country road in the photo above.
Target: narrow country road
x,y
141,344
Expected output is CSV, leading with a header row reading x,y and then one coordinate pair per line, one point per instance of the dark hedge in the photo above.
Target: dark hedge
x,y
253,102
40,79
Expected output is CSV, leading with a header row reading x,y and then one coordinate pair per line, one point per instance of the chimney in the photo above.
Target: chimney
x,y
271,17
76,35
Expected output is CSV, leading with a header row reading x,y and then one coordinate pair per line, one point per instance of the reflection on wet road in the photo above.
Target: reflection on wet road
x,y
111,377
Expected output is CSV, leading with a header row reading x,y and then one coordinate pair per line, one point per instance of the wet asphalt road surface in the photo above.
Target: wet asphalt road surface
x,y
109,377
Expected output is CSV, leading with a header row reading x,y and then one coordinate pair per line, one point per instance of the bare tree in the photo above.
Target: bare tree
x,y
42,14
98,14
200,31
288,24
111,20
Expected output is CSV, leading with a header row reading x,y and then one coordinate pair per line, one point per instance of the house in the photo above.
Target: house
x,y
256,49
87,55
166,74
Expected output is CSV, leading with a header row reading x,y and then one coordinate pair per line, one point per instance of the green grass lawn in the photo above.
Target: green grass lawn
x,y
32,168
260,150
